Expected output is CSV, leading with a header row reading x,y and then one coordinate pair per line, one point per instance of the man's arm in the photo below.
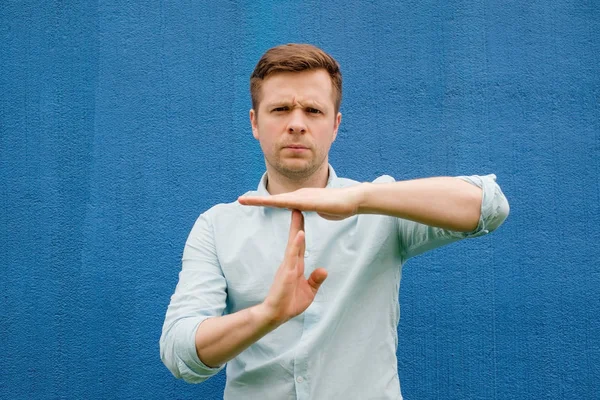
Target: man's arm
x,y
416,238
218,339
444,202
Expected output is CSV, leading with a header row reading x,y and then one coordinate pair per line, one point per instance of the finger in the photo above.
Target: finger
x,y
301,223
300,254
294,249
267,201
253,200
261,200
316,279
296,225
300,219
302,248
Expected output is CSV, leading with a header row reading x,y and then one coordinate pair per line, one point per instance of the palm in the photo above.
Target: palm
x,y
291,293
334,204
301,293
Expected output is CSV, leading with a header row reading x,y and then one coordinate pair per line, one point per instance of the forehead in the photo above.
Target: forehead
x,y
310,85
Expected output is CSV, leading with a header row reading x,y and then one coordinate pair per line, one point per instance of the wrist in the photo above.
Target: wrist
x,y
264,317
363,191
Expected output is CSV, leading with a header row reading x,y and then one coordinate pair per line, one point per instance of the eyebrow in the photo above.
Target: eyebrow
x,y
288,103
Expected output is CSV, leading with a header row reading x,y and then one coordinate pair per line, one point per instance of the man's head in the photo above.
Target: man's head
x,y
295,58
296,92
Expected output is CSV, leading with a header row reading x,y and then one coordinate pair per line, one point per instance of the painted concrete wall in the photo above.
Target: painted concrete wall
x,y
120,122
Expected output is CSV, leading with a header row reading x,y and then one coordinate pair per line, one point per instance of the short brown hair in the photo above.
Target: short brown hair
x,y
295,58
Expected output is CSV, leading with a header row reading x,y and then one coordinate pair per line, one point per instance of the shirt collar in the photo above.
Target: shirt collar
x,y
262,185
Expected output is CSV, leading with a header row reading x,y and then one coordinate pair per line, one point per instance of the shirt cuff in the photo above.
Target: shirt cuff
x,y
494,206
191,368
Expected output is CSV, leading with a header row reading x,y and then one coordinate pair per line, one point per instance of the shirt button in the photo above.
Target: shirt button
x,y
306,254
299,379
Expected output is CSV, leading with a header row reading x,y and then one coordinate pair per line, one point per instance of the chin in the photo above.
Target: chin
x,y
297,168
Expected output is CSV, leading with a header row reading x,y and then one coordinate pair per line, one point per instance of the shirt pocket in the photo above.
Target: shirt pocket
x,y
244,295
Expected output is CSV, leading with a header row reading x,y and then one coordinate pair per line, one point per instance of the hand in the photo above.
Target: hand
x,y
332,204
291,293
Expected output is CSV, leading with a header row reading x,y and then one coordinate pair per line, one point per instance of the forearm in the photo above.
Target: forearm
x,y
444,202
220,339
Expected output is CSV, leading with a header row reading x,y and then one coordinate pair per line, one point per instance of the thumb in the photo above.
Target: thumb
x,y
316,278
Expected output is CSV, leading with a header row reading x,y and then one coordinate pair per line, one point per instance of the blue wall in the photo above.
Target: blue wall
x,y
120,123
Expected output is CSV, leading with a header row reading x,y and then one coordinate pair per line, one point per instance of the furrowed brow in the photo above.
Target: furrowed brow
x,y
310,104
280,103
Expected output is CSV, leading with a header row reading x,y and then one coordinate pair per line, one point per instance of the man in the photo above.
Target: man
x,y
309,309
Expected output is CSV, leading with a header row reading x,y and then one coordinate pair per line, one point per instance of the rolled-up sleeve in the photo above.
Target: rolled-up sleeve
x,y
416,238
494,206
200,294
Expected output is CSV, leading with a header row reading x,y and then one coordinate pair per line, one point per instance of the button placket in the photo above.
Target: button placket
x,y
300,370
301,358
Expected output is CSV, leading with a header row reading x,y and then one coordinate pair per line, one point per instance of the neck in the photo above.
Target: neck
x,y
278,183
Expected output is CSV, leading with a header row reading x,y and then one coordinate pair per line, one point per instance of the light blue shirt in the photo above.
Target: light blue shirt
x,y
344,345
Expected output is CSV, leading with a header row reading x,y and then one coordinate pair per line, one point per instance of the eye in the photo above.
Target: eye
x,y
280,109
313,110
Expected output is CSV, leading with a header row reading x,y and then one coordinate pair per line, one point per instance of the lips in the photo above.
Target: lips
x,y
296,146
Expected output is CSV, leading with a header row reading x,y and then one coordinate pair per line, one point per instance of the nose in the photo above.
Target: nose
x,y
296,123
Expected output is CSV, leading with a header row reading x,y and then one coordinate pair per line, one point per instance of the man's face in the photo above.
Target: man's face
x,y
296,121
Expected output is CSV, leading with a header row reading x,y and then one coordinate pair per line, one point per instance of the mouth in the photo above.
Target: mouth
x,y
298,150
296,147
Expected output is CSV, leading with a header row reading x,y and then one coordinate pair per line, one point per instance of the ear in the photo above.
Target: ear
x,y
336,125
254,123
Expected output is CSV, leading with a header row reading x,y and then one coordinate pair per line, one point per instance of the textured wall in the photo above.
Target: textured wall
x,y
121,121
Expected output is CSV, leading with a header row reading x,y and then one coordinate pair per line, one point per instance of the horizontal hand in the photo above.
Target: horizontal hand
x,y
333,204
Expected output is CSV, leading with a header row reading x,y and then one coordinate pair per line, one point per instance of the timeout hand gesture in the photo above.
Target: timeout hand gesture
x,y
332,204
291,293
